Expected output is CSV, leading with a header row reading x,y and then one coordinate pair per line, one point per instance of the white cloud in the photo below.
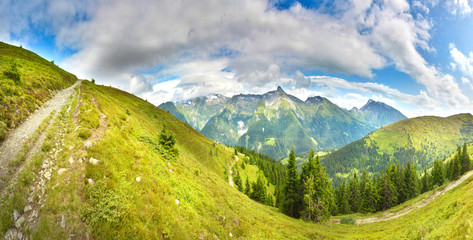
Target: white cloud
x,y
461,62
467,82
139,84
398,35
229,47
458,7
374,89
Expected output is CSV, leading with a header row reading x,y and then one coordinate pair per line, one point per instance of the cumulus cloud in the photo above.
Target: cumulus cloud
x,y
373,88
139,84
462,62
200,47
458,7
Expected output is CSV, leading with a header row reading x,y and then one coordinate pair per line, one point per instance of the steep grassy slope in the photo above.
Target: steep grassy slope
x,y
136,189
26,81
420,140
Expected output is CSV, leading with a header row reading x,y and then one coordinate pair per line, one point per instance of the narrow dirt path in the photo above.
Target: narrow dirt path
x,y
230,172
416,205
27,220
10,148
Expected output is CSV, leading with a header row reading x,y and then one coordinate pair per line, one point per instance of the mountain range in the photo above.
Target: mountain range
x,y
273,122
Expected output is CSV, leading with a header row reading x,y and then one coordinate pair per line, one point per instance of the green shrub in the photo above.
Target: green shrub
x,y
167,139
13,73
348,220
106,209
47,145
84,133
3,131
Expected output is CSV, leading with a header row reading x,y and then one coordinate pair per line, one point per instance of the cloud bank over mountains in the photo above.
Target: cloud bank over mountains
x,y
172,49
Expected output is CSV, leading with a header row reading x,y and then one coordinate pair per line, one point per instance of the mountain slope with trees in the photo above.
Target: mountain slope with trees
x,y
420,140
274,122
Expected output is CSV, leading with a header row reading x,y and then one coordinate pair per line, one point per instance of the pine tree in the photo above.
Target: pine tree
x,y
278,196
291,201
258,192
448,170
410,177
343,205
237,180
370,196
437,174
465,160
387,194
363,181
354,193
424,181
309,207
456,165
308,168
247,187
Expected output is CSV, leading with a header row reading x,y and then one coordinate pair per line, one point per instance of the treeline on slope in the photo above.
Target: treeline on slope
x,y
271,169
310,195
397,184
358,155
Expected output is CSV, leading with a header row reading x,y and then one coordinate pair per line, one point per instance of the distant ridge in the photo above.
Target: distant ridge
x,y
273,122
420,140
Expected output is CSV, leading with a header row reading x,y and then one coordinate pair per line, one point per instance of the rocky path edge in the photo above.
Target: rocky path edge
x,y
12,145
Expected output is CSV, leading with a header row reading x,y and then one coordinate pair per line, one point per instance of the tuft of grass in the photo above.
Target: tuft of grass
x,y
3,131
348,220
47,145
84,133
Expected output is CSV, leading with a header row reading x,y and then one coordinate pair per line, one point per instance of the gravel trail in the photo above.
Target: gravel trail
x,y
15,138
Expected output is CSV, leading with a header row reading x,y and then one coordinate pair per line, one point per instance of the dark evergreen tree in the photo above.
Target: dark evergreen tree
x,y
258,192
291,202
247,187
465,160
437,174
456,165
308,168
370,197
387,193
238,182
278,195
343,205
354,193
410,179
424,187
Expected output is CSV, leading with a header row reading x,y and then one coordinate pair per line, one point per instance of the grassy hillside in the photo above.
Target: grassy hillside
x,y
26,81
420,140
137,189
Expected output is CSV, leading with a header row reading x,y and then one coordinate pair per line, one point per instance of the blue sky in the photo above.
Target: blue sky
x,y
414,55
